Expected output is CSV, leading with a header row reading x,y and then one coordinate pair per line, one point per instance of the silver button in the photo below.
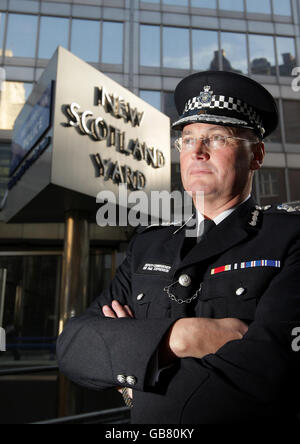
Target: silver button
x,y
140,296
131,380
240,291
121,379
185,280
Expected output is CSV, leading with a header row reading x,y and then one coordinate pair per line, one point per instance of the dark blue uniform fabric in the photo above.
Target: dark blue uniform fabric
x,y
254,378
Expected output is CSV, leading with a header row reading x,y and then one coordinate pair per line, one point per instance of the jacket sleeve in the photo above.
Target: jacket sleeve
x,y
253,376
93,350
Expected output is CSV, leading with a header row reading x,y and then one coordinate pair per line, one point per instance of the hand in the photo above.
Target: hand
x,y
197,337
118,311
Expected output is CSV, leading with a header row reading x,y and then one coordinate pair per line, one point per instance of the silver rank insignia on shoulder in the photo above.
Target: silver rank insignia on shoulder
x,y
288,208
254,219
263,208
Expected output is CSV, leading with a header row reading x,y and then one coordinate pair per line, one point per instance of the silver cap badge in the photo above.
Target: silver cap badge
x,y
205,96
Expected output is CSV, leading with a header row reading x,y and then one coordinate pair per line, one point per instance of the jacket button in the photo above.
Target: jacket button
x,y
240,291
131,380
140,296
121,379
185,280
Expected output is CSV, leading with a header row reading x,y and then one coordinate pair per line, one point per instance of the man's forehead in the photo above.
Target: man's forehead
x,y
197,127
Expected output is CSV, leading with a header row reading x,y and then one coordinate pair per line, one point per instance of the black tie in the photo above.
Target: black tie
x,y
190,242
205,226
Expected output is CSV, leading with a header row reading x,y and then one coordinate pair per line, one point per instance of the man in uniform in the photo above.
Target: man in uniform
x,y
204,334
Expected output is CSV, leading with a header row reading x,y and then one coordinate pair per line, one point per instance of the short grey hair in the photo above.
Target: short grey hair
x,y
246,133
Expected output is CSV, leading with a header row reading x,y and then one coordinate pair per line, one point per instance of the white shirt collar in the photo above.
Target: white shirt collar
x,y
220,217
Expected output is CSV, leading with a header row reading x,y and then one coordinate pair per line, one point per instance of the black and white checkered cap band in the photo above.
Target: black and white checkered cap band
x,y
229,103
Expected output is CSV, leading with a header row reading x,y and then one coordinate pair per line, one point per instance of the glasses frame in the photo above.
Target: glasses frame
x,y
207,142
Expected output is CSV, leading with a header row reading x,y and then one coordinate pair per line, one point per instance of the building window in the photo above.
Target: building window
x,y
259,6
262,54
205,50
53,32
291,113
151,97
176,48
13,96
176,2
112,43
170,110
232,5
268,183
85,40
234,52
294,179
282,7
5,153
286,55
149,45
275,136
2,27
209,4
21,35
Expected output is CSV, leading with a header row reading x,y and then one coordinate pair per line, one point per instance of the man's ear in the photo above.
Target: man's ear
x,y
258,154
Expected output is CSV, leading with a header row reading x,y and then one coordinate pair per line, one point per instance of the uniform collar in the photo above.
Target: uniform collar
x,y
220,217
243,221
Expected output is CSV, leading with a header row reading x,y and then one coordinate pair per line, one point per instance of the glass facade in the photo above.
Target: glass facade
x,y
151,97
262,54
210,4
259,6
282,8
21,35
232,5
234,52
286,55
136,40
112,43
148,46
176,48
85,40
201,49
291,112
54,31
205,49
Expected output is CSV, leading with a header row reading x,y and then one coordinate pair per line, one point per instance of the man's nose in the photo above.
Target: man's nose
x,y
201,149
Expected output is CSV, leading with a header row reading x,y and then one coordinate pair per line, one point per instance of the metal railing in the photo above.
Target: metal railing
x,y
27,370
119,415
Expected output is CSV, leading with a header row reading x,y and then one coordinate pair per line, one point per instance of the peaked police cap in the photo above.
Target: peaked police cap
x,y
225,98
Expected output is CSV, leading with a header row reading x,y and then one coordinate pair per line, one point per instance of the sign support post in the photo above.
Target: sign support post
x,y
73,298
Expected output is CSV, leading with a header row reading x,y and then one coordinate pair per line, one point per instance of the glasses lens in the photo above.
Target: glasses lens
x,y
218,141
188,143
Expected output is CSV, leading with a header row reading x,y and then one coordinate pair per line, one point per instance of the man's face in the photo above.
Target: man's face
x,y
221,173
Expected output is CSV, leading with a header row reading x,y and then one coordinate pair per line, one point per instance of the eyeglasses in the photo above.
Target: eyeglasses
x,y
215,142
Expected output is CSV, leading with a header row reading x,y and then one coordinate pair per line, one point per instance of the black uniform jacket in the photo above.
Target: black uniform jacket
x,y
247,267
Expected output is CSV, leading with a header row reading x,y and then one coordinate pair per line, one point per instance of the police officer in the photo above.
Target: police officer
x,y
201,329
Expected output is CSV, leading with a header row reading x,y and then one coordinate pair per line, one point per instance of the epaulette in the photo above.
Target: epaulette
x,y
281,208
263,208
289,208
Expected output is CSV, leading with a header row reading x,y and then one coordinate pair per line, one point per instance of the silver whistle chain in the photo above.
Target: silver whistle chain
x,y
182,301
